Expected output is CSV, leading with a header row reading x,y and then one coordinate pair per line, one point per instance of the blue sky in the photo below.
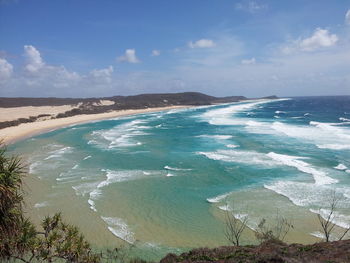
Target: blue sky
x,y
246,47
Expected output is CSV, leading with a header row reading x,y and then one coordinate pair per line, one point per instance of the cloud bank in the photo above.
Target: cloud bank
x,y
6,69
312,64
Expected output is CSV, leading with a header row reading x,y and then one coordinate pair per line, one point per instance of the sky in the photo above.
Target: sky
x,y
98,48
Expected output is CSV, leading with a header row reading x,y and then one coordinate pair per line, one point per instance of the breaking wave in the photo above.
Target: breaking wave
x,y
176,169
246,157
320,177
123,135
218,198
119,228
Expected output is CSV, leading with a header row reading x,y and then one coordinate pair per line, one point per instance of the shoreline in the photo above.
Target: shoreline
x,y
23,131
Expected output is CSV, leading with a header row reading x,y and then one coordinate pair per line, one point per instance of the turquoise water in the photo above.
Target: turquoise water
x,y
161,181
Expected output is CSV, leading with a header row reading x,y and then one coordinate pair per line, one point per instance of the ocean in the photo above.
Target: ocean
x,y
162,182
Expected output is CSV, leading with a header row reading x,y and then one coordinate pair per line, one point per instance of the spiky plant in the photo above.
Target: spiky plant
x,y
12,221
19,239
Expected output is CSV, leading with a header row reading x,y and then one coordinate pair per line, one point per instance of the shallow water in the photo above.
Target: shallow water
x,y
161,180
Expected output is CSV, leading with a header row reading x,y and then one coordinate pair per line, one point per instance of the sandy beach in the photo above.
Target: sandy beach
x,y
12,134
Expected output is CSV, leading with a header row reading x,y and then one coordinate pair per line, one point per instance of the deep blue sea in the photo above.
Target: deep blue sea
x,y
163,181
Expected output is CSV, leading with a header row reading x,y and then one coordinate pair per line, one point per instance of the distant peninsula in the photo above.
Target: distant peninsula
x,y
15,110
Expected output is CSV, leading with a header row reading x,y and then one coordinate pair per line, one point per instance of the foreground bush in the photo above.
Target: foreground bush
x,y
19,239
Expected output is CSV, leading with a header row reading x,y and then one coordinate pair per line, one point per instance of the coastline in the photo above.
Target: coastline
x,y
43,202
14,134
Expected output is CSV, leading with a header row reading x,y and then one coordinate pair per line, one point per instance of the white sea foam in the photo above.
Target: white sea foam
x,y
176,169
223,116
232,146
343,119
336,217
323,135
87,157
259,127
216,136
236,156
334,146
341,167
301,194
33,167
152,245
318,234
321,235
294,130
320,177
42,204
92,205
119,228
59,153
65,178
95,189
95,194
279,112
85,188
312,195
76,174
170,175
240,216
328,127
225,207
254,123
120,176
218,198
122,135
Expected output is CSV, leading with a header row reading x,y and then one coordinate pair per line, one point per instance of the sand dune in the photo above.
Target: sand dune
x,y
10,114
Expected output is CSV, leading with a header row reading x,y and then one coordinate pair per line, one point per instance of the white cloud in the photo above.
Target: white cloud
x,y
219,70
347,17
248,61
250,6
320,38
202,43
130,57
6,69
225,51
104,75
48,80
155,53
34,60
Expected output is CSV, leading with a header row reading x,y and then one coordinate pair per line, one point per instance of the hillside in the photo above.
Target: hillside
x,y
269,252
121,102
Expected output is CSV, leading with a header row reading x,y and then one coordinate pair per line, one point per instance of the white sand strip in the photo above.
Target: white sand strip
x,y
25,130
